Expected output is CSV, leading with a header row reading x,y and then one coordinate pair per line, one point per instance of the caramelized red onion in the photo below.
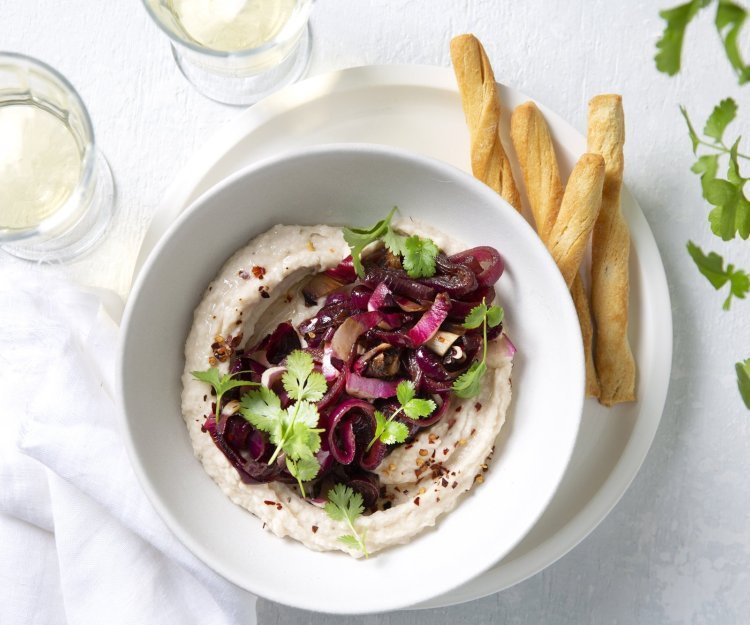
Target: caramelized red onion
x,y
366,338
343,272
490,263
282,342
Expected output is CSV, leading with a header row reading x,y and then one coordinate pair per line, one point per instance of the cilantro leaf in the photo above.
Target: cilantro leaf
x,y
419,408
405,392
359,238
396,243
346,505
394,432
476,316
262,408
419,254
349,540
300,381
304,469
722,115
669,45
730,18
743,380
730,214
389,431
712,267
469,383
495,315
220,383
292,430
419,257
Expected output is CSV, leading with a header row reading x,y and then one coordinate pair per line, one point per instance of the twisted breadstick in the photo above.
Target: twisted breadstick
x,y
536,155
578,212
476,84
541,174
609,263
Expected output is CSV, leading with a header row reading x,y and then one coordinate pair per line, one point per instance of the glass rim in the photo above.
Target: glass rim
x,y
68,210
290,29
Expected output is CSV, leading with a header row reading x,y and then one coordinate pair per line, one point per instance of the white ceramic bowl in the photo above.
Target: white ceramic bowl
x,y
353,185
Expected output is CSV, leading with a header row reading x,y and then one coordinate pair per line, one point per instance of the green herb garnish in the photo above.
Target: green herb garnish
x,y
743,380
292,430
469,383
220,383
731,213
419,254
712,267
344,504
389,431
729,20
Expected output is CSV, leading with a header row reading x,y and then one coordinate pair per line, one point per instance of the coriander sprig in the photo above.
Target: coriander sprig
x,y
469,383
712,267
221,384
344,504
731,208
292,430
729,20
743,380
389,431
419,254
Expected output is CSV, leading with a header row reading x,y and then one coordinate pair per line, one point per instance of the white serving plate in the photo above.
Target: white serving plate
x,y
418,108
350,184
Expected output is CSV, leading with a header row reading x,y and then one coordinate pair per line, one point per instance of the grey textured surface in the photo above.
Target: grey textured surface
x,y
677,547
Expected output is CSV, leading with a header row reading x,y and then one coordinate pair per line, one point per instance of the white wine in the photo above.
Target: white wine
x,y
40,164
232,25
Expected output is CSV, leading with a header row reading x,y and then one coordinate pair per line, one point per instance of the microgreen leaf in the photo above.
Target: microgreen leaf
x,y
722,115
743,380
419,257
712,267
346,505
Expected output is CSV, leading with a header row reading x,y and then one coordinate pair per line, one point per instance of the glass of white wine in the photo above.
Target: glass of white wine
x,y
56,189
237,51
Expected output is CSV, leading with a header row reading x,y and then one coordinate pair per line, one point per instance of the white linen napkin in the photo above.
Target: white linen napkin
x,y
79,542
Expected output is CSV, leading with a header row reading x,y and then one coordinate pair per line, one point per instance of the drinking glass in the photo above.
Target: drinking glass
x,y
56,188
237,51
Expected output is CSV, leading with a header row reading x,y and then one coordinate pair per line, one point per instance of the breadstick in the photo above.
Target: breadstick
x,y
541,174
581,302
481,104
578,211
609,266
